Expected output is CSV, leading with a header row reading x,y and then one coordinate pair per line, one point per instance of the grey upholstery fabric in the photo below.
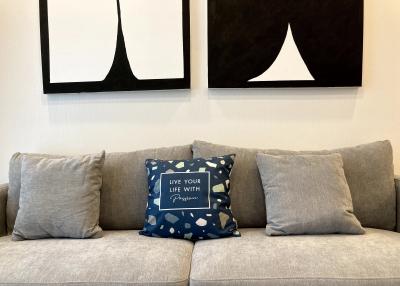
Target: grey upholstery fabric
x,y
59,197
397,183
118,258
330,260
307,194
3,203
369,172
247,195
124,192
15,186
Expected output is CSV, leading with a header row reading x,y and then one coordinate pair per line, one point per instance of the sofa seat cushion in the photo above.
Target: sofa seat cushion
x,y
119,258
256,259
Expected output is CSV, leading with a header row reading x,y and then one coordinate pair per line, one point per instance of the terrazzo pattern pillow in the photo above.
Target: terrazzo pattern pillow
x,y
189,199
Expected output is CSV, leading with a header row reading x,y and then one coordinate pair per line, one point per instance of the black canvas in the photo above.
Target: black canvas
x,y
246,37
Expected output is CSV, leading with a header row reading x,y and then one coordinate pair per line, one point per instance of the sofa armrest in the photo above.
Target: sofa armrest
x,y
3,202
397,185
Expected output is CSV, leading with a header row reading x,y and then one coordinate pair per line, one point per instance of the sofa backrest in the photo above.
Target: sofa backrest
x,y
124,192
368,169
369,172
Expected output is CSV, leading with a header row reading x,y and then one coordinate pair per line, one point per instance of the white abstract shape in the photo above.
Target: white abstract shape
x,y
201,222
211,164
288,66
82,39
219,188
153,31
180,165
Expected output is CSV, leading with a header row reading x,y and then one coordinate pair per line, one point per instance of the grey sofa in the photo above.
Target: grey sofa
x,y
122,257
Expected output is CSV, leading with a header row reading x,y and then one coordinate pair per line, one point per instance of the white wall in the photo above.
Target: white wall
x,y
293,119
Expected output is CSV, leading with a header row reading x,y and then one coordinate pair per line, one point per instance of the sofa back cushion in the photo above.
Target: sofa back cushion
x,y
125,189
368,168
124,193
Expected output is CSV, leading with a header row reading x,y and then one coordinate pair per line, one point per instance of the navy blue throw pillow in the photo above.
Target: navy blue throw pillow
x,y
189,199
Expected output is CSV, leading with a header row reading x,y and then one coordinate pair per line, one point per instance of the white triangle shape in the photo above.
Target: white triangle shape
x,y
288,66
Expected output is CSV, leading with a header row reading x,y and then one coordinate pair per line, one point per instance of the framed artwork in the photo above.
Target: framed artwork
x,y
285,43
114,45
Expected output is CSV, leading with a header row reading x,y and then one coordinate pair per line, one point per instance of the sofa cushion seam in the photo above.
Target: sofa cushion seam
x,y
295,278
95,282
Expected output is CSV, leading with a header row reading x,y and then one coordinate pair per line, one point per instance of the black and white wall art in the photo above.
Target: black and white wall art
x,y
285,43
115,45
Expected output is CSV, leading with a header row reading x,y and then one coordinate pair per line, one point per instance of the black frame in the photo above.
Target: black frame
x,y
236,26
113,84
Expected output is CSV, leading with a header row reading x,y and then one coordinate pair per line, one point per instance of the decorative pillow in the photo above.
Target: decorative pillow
x,y
307,194
190,199
59,197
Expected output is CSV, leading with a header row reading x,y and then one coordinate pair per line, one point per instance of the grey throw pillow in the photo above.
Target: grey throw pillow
x,y
59,197
307,194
